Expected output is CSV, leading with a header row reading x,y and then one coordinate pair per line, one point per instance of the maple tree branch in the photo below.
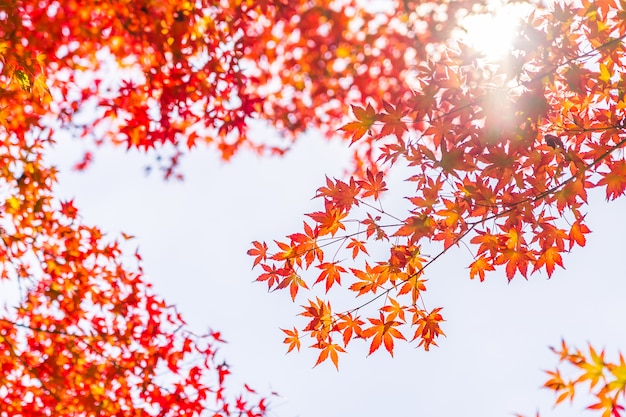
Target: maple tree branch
x,y
380,210
473,225
558,186
386,292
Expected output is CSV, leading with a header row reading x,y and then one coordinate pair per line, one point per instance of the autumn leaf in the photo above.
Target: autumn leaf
x,y
350,326
23,79
329,221
343,195
373,185
331,273
292,339
366,117
577,233
357,247
615,180
370,280
594,369
294,282
479,266
428,328
416,227
468,135
259,251
392,121
272,275
382,331
329,350
608,405
549,258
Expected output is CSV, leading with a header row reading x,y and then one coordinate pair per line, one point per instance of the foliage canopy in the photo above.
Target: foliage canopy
x,y
501,150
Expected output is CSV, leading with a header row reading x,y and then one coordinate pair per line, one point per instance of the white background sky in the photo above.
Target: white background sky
x,y
193,237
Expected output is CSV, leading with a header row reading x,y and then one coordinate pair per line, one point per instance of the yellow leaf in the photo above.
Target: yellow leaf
x,y
13,204
41,59
40,89
22,79
605,75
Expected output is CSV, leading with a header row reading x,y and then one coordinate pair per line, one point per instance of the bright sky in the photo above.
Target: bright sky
x,y
193,237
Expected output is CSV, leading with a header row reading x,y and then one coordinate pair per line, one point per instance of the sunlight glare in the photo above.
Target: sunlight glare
x,y
492,33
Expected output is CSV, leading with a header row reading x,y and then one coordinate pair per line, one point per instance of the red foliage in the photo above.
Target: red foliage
x,y
501,151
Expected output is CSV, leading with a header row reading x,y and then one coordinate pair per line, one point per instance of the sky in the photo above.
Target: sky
x,y
193,237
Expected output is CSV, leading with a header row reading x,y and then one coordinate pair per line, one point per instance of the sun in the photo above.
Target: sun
x,y
492,32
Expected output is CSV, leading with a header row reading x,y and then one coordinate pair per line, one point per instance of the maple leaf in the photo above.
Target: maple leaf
x,y
40,89
370,280
295,282
594,369
479,266
515,260
259,251
608,404
366,117
288,252
350,326
392,121
329,221
373,185
357,246
428,328
615,180
329,350
619,372
272,275
331,273
292,339
549,258
84,163
306,245
321,321
373,227
343,195
382,331
23,79
416,227
394,310
577,233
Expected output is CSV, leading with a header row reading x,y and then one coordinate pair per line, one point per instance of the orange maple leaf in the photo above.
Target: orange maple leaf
x,y
366,117
331,273
383,331
295,282
479,266
370,280
292,339
550,257
329,350
329,221
428,328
